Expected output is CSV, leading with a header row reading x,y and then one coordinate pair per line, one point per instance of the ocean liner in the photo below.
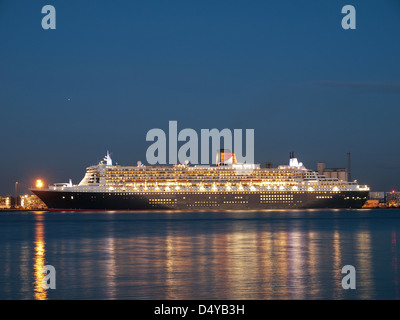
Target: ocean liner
x,y
228,185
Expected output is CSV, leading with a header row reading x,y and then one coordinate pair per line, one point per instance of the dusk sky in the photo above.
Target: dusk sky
x,y
113,70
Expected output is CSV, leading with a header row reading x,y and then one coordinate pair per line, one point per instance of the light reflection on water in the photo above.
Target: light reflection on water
x,y
218,255
40,251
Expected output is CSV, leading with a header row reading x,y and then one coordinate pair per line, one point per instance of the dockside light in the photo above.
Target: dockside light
x,y
39,184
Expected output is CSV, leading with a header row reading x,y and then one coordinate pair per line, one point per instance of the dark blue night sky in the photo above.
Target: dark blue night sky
x,y
112,70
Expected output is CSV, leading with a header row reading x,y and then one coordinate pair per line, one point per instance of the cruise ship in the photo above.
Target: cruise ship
x,y
228,185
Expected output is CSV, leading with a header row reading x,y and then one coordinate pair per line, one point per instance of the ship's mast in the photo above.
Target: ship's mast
x,y
108,159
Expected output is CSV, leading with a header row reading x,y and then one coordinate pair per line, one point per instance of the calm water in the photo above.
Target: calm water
x,y
203,255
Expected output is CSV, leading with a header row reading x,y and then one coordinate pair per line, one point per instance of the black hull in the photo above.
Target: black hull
x,y
57,200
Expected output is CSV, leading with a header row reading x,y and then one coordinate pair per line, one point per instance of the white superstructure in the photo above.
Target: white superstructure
x,y
295,177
